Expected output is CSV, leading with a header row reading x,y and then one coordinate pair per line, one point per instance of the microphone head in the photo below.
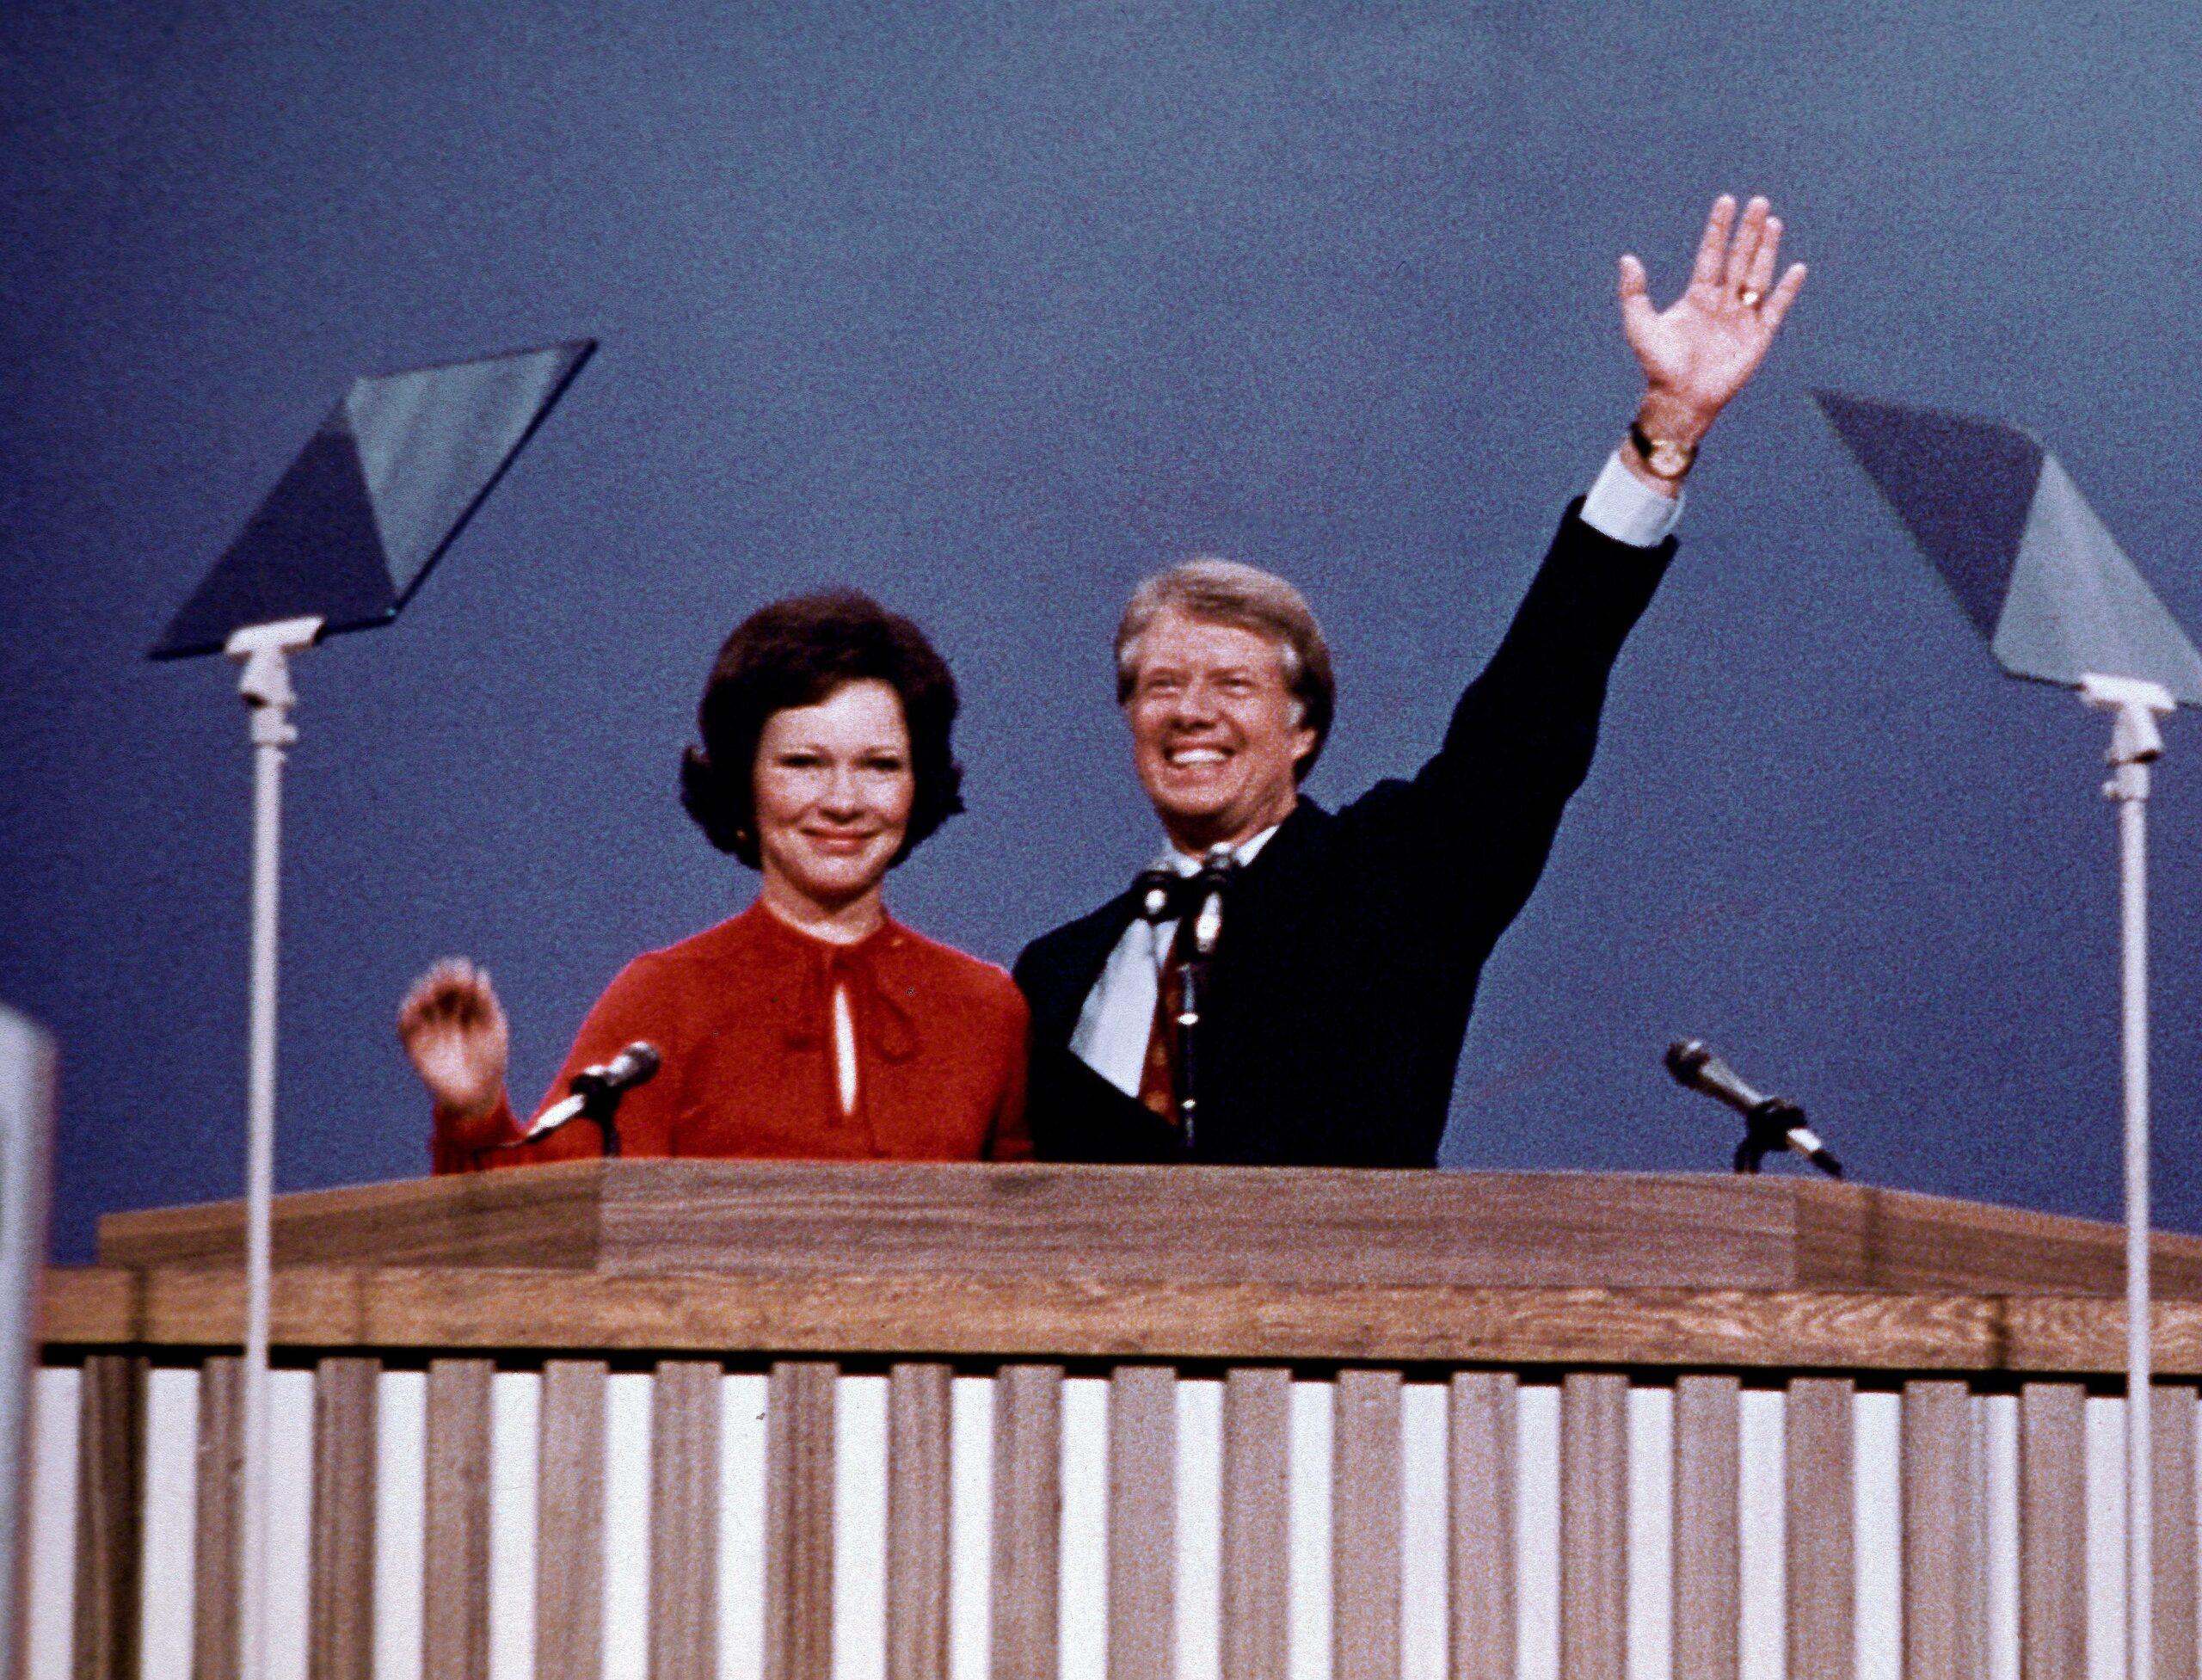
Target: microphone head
x,y
1686,1059
642,1055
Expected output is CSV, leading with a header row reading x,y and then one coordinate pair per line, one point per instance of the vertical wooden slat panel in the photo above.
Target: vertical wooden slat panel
x,y
215,1537
1593,1526
110,1539
799,1521
569,1521
1256,1470
2053,1530
1821,1558
2171,1445
455,1540
917,1522
1142,1524
340,1594
684,1520
1708,1555
1365,1509
1028,1521
1480,1431
1943,1589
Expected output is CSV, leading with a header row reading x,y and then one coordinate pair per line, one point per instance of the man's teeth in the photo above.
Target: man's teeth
x,y
1196,756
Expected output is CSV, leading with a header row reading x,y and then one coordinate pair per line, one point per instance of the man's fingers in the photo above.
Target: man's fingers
x,y
1636,310
1761,278
1713,247
1744,251
1777,303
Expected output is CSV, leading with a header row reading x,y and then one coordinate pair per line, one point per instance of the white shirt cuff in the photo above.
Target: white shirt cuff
x,y
1622,507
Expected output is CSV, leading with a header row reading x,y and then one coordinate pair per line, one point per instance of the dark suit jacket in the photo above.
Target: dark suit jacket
x,y
1339,992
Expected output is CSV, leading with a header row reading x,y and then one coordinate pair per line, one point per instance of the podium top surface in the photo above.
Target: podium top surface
x,y
1206,1225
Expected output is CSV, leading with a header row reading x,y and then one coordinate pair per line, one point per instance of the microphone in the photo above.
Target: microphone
x,y
1208,924
597,1090
635,1065
1774,1122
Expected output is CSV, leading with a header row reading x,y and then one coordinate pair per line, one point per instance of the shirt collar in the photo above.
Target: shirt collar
x,y
1244,853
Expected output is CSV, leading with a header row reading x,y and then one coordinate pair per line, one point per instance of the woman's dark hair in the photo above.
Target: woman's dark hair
x,y
797,653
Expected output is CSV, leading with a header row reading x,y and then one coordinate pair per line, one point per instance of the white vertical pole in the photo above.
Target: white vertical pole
x,y
2131,792
264,651
260,1183
2135,744
26,1067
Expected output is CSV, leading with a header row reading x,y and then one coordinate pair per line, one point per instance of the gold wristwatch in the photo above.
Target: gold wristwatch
x,y
1663,457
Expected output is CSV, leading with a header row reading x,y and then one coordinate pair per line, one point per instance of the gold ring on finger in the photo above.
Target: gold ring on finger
x,y
1750,296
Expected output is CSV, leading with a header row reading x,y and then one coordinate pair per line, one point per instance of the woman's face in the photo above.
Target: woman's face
x,y
833,790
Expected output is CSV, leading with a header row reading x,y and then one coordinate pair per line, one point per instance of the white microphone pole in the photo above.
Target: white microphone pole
x,y
264,651
2135,743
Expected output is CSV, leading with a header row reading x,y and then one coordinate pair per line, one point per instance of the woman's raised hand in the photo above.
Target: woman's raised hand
x,y
453,1029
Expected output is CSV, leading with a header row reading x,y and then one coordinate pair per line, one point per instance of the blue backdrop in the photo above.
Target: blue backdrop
x,y
992,310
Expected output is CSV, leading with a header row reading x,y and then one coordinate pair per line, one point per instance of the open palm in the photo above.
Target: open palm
x,y
1703,348
453,1029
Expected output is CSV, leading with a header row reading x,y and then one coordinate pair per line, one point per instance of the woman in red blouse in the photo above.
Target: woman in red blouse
x,y
812,1024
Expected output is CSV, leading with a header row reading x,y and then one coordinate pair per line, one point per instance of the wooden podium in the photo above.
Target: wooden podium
x,y
800,1420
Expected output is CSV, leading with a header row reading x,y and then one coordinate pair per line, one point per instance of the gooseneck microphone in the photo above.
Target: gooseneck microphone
x,y
635,1065
1771,1123
1196,943
597,1090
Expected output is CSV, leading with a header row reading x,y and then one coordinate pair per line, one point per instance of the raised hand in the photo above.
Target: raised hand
x,y
454,1032
1703,348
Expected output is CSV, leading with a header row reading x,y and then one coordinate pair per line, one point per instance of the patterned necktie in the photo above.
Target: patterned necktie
x,y
1158,1082
1164,897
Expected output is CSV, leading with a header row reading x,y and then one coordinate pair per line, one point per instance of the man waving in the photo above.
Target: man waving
x,y
1335,992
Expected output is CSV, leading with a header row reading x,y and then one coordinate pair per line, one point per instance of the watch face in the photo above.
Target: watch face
x,y
1668,459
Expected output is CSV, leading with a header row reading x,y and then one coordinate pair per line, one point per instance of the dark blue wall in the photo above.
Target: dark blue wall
x,y
992,310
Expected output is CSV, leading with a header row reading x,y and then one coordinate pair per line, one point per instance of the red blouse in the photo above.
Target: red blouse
x,y
742,1017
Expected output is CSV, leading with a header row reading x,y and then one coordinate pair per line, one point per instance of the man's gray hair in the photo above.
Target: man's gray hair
x,y
1230,592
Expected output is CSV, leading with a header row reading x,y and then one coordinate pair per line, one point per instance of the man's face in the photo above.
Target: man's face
x,y
1215,732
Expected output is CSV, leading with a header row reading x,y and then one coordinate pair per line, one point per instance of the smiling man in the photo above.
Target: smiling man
x,y
1338,992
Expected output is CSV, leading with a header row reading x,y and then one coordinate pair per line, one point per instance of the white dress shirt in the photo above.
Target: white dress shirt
x,y
1118,1016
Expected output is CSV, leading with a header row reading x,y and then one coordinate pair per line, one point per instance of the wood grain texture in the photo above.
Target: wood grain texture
x,y
1707,1553
455,1540
684,1520
1943,1586
340,1570
1256,1514
1125,1223
541,1217
2173,1494
1027,1522
2053,1530
217,1536
799,1414
110,1515
1143,1524
1480,1633
1593,1526
569,1521
394,1309
1365,1535
1822,1577
918,1467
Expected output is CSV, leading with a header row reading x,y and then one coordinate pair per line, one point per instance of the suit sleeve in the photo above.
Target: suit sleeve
x,y
1479,817
640,1003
